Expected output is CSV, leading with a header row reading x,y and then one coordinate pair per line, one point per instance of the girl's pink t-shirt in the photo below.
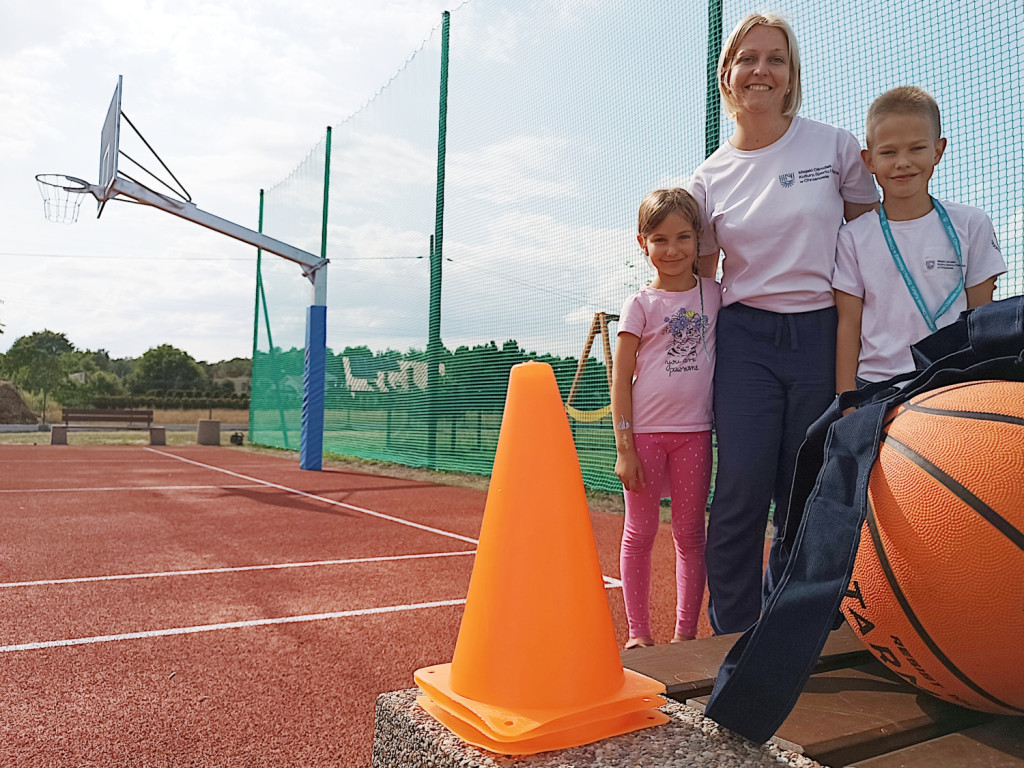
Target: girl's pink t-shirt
x,y
675,362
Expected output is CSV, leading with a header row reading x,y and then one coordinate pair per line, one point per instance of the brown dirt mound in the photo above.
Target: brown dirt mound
x,y
12,408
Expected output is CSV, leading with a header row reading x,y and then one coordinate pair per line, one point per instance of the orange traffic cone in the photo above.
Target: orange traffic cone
x,y
536,664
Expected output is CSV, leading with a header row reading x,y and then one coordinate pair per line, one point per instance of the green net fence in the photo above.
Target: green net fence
x,y
557,118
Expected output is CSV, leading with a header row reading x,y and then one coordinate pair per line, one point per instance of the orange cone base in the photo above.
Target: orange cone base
x,y
571,737
501,724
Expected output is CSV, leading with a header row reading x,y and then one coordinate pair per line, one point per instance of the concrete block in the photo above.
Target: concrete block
x,y
405,735
158,435
58,435
208,432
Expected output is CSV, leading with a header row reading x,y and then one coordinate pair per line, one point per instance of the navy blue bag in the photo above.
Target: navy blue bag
x,y
812,561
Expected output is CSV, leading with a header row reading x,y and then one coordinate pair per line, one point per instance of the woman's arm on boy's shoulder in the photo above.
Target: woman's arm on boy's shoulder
x,y
627,463
850,309
981,293
852,210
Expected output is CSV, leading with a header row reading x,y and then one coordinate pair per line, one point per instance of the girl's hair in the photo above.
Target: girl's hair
x,y
905,100
656,207
791,103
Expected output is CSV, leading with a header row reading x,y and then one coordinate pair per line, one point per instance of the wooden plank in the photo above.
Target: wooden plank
x,y
996,744
134,419
689,669
846,715
108,412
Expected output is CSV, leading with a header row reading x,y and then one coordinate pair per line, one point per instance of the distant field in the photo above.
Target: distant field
x,y
230,420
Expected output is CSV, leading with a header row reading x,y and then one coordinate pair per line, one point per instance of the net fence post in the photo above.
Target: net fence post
x,y
311,445
712,118
436,259
256,319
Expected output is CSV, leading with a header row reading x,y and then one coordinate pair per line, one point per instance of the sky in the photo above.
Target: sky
x,y
232,95
562,114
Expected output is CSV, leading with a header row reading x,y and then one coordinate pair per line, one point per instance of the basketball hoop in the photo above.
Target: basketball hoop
x,y
62,196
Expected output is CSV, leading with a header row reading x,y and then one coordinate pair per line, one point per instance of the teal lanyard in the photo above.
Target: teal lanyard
x,y
909,279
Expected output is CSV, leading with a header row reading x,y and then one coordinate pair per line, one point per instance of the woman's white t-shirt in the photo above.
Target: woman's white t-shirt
x,y
775,213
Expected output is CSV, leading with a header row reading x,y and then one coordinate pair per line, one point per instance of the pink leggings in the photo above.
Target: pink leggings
x,y
676,464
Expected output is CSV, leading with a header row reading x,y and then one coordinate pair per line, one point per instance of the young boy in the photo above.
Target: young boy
x,y
915,264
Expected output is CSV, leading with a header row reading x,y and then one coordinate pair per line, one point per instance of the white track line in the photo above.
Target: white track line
x,y
234,569
609,584
324,499
112,488
226,625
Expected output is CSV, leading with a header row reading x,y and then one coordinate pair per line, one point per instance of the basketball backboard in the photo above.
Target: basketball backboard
x,y
110,140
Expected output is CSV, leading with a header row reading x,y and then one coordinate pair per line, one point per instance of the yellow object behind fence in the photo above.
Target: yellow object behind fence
x,y
599,325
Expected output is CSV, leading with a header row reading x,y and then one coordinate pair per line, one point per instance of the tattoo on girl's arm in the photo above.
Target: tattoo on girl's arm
x,y
622,434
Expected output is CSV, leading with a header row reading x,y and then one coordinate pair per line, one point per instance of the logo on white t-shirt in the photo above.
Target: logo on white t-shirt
x,y
787,180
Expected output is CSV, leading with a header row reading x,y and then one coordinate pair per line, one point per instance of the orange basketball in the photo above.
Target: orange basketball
x,y
937,592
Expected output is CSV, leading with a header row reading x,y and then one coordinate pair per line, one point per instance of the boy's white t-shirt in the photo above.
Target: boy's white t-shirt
x,y
775,213
891,321
675,366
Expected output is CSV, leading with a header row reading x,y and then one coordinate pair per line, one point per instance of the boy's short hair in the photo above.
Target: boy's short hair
x,y
791,103
656,207
905,100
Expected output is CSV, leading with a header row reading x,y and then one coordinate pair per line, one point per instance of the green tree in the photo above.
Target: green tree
x,y
164,368
39,362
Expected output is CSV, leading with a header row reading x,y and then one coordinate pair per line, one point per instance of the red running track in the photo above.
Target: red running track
x,y
212,607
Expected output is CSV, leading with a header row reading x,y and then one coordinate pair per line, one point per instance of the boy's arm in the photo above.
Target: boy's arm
x,y
981,293
627,464
849,308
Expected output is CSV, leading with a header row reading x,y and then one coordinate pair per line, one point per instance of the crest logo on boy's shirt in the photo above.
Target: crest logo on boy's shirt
x,y
929,264
787,180
684,328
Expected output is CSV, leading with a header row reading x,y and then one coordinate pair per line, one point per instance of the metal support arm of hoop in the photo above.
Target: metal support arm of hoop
x,y
314,267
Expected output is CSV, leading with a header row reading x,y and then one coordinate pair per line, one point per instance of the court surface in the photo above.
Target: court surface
x,y
211,606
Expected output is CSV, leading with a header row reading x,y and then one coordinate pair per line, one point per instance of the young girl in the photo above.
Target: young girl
x,y
661,406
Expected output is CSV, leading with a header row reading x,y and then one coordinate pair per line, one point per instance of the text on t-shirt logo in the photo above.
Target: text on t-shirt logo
x,y
821,173
787,180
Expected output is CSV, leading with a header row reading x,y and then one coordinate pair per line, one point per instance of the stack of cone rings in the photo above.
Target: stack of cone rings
x,y
536,665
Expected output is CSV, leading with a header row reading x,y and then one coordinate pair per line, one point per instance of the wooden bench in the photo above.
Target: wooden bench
x,y
106,419
852,712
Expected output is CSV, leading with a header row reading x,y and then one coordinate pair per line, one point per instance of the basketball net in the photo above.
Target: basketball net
x,y
60,201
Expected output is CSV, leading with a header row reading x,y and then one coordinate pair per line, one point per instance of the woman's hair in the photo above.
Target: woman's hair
x,y
791,102
905,100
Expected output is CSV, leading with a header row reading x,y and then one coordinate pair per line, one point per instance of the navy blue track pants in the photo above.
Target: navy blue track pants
x,y
774,375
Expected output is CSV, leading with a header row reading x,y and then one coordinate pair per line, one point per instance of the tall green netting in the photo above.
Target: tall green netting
x,y
292,211
560,116
382,218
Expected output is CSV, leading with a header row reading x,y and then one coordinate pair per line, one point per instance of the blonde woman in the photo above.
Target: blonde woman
x,y
773,198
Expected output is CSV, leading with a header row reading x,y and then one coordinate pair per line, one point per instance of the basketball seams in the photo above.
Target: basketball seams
x,y
911,616
971,415
996,520
924,397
